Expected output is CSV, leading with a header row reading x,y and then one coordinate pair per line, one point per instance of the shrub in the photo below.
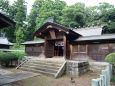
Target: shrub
x,y
110,58
20,55
113,79
1,52
7,58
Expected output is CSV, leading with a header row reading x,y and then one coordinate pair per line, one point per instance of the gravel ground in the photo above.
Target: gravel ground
x,y
84,80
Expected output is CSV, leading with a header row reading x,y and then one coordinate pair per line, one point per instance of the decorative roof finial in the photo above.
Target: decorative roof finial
x,y
50,19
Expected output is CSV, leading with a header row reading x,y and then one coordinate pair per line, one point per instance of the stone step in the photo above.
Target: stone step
x,y
47,61
47,67
39,71
44,63
42,69
43,66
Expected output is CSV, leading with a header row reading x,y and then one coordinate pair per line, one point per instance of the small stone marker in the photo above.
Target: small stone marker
x,y
72,80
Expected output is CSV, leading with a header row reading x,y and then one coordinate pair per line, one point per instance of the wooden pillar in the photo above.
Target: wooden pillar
x,y
110,48
70,51
64,39
87,49
45,47
32,50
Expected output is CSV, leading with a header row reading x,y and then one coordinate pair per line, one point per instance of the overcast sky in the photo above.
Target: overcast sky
x,y
70,2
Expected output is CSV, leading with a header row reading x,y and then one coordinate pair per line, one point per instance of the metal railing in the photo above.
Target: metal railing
x,y
24,60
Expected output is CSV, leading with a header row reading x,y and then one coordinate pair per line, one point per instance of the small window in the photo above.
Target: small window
x,y
79,48
75,48
82,48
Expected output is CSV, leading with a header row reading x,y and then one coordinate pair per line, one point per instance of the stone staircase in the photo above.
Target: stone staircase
x,y
50,67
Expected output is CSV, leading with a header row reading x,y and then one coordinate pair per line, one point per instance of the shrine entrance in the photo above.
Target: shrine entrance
x,y
56,39
59,48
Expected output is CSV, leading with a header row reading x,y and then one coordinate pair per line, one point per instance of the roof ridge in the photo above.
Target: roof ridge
x,y
92,27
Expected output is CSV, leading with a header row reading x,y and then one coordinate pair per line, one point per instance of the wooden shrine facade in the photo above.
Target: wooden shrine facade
x,y
63,42
56,37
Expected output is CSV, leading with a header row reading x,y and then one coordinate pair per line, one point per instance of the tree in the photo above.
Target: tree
x,y
20,35
48,9
5,8
31,19
19,8
74,16
103,9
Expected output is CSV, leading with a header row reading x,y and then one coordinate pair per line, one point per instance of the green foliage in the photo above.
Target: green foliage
x,y
76,15
7,58
20,55
110,58
113,79
17,11
20,9
20,36
31,18
4,6
50,8
20,47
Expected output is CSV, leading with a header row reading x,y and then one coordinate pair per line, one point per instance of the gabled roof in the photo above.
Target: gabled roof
x,y
4,41
89,31
33,42
50,25
5,21
105,37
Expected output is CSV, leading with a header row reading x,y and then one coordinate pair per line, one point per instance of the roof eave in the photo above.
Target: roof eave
x,y
7,20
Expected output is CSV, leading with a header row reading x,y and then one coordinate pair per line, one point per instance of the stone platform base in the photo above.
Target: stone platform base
x,y
76,68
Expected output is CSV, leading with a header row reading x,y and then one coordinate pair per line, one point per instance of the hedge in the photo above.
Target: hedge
x,y
7,59
20,55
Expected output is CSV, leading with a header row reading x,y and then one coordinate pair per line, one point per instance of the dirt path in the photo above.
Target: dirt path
x,y
84,80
